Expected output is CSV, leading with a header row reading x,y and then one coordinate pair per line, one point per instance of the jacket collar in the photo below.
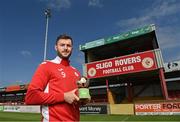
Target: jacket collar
x,y
59,60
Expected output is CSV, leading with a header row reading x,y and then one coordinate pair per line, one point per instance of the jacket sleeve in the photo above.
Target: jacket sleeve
x,y
37,93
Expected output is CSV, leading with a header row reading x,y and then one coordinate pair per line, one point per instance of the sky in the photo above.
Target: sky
x,y
23,24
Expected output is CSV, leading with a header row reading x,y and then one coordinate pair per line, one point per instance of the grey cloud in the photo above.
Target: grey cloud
x,y
57,4
95,3
25,53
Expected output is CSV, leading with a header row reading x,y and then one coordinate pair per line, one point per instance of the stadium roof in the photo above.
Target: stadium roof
x,y
138,40
118,37
14,88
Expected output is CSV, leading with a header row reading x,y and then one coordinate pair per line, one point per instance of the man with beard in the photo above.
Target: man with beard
x,y
54,87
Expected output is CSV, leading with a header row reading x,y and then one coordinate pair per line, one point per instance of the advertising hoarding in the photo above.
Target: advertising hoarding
x,y
93,109
166,108
1,108
172,66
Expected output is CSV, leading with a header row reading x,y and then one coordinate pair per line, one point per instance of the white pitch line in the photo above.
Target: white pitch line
x,y
126,118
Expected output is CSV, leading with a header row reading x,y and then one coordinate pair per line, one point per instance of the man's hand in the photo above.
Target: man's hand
x,y
70,96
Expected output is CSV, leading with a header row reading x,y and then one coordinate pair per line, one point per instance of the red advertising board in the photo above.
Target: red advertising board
x,y
13,88
166,108
122,65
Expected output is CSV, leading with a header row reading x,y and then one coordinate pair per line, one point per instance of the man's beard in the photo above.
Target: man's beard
x,y
63,57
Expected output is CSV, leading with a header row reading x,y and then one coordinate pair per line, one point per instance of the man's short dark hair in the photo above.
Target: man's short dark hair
x,y
63,36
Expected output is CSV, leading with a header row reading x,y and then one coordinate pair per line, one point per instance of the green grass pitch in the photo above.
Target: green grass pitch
x,y
15,117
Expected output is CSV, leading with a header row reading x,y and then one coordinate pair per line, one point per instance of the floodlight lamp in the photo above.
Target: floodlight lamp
x,y
47,12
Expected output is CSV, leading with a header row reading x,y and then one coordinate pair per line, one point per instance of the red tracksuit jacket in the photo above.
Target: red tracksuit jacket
x,y
50,81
